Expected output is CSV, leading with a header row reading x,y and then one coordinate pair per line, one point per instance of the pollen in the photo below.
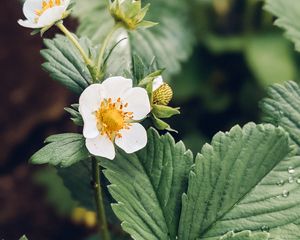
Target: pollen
x,y
46,5
112,117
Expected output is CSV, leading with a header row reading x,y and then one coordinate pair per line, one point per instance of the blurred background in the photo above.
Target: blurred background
x,y
238,54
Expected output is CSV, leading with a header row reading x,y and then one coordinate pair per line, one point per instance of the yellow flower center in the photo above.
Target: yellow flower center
x,y
46,5
111,118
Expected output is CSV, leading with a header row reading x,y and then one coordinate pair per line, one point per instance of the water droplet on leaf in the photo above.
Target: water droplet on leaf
x,y
291,170
291,179
280,183
265,228
285,193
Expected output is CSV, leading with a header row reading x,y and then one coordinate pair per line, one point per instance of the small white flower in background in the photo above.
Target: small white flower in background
x,y
43,13
110,112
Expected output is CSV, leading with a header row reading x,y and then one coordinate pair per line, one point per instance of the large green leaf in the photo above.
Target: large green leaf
x,y
288,13
241,182
148,186
282,107
65,64
62,149
170,42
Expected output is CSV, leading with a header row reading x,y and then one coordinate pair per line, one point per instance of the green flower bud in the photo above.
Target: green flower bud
x,y
130,13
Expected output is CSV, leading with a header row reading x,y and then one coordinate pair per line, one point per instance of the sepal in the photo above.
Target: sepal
x,y
162,111
161,125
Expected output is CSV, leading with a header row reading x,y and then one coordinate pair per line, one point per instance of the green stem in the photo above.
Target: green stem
x,y
104,46
102,222
70,36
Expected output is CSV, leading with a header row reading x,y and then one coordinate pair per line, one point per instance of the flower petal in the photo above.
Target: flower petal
x,y
27,23
138,102
101,146
29,8
116,86
90,129
90,100
132,139
50,16
157,83
66,3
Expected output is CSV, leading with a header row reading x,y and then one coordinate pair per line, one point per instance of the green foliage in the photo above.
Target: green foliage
x,y
23,238
170,42
270,58
282,107
62,150
233,185
65,64
148,186
75,115
77,178
245,235
57,194
288,12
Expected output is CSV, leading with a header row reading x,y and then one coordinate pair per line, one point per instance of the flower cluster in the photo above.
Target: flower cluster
x,y
111,110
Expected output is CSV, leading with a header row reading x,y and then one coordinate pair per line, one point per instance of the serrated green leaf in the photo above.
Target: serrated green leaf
x,y
282,107
148,186
140,69
270,58
75,115
65,64
234,185
245,235
288,12
62,150
171,41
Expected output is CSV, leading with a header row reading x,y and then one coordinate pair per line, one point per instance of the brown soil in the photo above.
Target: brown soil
x,y
31,109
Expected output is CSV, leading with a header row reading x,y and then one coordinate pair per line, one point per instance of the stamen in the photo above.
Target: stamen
x,y
111,118
46,5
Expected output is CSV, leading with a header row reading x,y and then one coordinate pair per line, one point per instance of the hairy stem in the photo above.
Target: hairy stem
x,y
70,36
104,46
102,222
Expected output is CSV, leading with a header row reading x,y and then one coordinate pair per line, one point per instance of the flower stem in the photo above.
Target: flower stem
x,y
102,222
70,36
104,46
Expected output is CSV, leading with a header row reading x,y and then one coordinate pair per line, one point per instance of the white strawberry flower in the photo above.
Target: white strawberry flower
x,y
111,111
43,13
